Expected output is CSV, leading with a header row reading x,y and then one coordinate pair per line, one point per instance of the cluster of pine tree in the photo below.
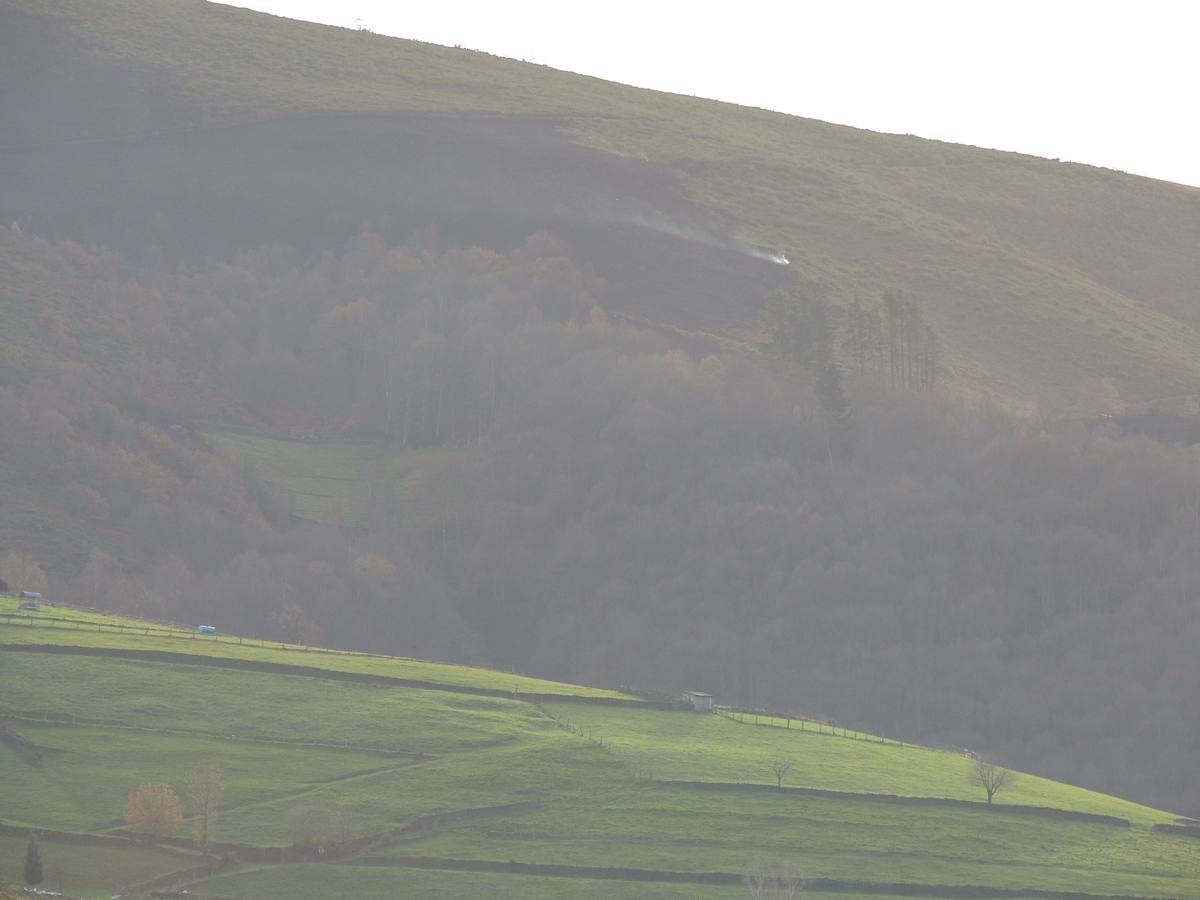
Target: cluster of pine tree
x,y
892,340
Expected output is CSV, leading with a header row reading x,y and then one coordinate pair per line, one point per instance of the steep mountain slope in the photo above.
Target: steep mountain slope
x,y
1052,286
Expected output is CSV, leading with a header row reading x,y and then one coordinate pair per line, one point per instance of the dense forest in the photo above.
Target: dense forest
x,y
806,523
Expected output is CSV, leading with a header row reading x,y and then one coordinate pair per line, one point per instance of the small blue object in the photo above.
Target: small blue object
x,y
207,629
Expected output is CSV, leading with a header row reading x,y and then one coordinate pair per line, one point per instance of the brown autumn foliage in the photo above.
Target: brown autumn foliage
x,y
23,573
154,811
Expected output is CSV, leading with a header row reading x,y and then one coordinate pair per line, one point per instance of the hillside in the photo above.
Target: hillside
x,y
1052,287
341,340
465,784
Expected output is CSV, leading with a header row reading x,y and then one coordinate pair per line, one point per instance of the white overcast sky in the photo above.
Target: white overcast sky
x,y
1112,84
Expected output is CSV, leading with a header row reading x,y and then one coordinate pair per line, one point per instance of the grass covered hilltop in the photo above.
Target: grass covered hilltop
x,y
355,775
1050,285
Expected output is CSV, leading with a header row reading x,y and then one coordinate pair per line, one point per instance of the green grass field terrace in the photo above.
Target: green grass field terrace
x,y
540,769
391,754
89,773
93,629
52,615
319,882
685,746
330,482
87,872
696,829
208,701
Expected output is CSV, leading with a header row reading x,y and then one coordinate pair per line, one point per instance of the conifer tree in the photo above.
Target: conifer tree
x,y
33,863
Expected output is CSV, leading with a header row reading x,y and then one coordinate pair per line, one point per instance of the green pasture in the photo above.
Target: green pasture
x,y
697,829
89,872
331,482
478,751
89,773
539,770
258,705
74,617
394,754
318,882
116,631
688,746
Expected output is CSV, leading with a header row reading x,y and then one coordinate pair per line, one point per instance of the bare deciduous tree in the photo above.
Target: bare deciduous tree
x,y
206,786
340,819
990,777
779,767
765,883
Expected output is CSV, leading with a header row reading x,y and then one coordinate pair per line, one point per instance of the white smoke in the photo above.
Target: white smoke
x,y
708,238
772,256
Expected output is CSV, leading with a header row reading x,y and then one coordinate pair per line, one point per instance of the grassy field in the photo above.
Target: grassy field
x,y
330,482
688,829
319,882
213,701
282,742
573,783
84,871
84,629
89,772
688,747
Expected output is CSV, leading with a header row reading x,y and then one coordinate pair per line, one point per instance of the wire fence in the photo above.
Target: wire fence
x,y
804,724
159,630
92,621
524,684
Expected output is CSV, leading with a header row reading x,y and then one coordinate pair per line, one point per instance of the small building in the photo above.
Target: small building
x,y
30,599
700,701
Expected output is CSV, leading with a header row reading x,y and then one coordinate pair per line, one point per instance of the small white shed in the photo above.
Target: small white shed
x,y
700,701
